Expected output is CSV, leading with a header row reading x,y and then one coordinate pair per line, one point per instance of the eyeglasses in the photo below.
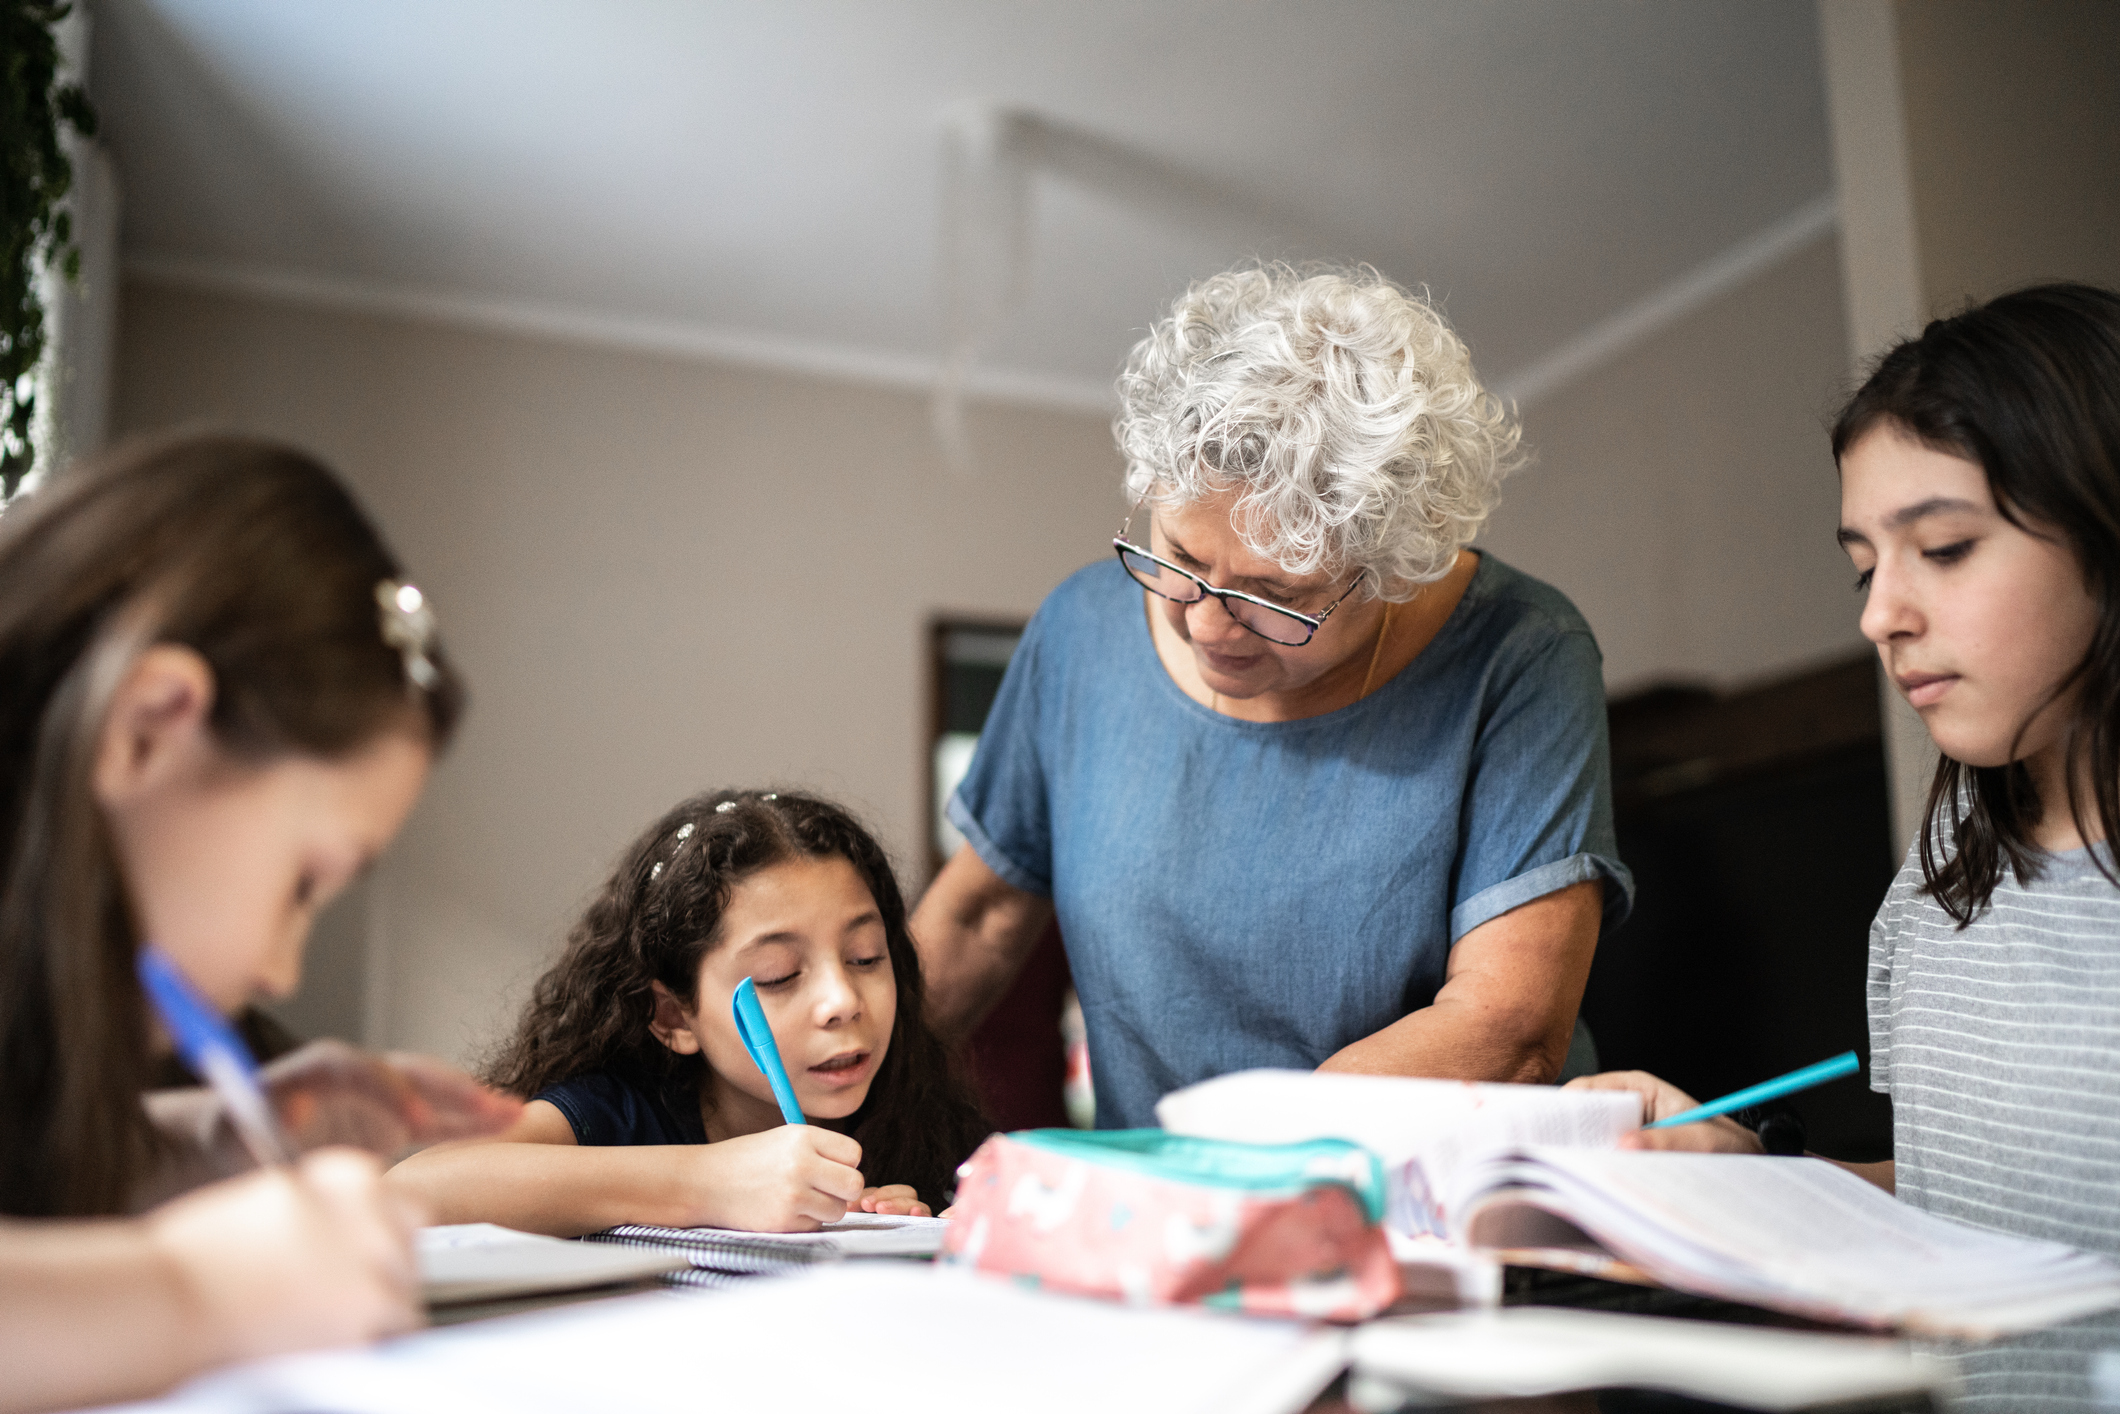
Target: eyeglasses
x,y
1166,581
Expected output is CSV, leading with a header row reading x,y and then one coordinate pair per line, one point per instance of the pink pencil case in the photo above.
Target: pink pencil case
x,y
1155,1218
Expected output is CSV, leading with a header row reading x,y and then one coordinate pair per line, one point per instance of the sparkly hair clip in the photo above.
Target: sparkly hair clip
x,y
408,626
684,832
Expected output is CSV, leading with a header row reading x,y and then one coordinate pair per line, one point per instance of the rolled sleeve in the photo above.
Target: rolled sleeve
x,y
1538,804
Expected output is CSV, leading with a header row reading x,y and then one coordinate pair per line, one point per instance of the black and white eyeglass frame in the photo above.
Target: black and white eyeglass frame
x,y
1123,547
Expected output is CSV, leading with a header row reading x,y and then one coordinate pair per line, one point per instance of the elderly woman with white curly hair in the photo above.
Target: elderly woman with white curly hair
x,y
1308,782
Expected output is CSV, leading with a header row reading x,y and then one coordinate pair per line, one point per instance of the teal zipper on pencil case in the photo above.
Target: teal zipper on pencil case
x,y
1263,1169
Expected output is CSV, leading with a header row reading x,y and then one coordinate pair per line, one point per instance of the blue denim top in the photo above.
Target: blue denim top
x,y
1236,894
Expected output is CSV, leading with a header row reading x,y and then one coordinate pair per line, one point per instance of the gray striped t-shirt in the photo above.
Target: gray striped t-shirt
x,y
2000,1048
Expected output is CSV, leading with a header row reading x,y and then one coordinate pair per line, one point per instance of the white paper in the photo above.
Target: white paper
x,y
483,1262
1530,1351
887,1337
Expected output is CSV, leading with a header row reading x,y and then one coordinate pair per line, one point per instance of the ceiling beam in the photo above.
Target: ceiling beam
x,y
1661,308
671,338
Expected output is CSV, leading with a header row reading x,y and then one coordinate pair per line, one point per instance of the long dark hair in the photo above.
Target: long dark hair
x,y
660,914
2027,387
253,556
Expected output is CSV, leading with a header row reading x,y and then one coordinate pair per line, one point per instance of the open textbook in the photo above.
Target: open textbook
x,y
1797,1235
1530,1175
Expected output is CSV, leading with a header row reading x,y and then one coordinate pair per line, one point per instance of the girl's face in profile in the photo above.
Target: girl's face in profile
x,y
1975,619
808,934
227,863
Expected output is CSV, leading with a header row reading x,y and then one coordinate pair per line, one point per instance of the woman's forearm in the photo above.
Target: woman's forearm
x,y
1456,1042
90,1313
1507,1007
973,931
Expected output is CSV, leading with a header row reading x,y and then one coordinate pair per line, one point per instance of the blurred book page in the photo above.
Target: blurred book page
x,y
1796,1234
1531,1351
888,1336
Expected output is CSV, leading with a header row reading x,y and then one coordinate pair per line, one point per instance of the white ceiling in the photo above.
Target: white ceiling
x,y
770,171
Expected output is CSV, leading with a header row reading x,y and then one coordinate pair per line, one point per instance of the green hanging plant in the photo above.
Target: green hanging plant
x,y
34,179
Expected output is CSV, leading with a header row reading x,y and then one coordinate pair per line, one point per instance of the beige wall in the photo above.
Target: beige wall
x,y
1976,145
1684,495
663,574
659,575
2013,142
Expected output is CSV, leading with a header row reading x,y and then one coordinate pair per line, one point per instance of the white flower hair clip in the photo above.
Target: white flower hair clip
x,y
408,626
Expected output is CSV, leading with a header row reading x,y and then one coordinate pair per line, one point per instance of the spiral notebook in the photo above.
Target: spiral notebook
x,y
722,1256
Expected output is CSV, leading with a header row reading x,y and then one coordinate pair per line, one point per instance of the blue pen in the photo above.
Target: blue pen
x,y
758,1040
216,1054
1845,1063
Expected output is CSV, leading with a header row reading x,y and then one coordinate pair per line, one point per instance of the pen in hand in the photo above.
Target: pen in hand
x,y
1846,1063
757,1038
216,1054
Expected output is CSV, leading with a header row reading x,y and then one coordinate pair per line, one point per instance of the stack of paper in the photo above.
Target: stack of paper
x,y
1798,1235
1425,1131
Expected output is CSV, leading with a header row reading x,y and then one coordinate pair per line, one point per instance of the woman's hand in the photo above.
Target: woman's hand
x,y
898,1199
331,1093
795,1178
279,1261
1661,1100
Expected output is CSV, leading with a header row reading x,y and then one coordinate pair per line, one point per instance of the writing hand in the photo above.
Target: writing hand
x,y
1661,1100
281,1260
795,1178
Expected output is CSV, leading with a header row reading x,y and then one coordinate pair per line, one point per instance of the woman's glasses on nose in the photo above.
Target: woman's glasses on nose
x,y
1269,621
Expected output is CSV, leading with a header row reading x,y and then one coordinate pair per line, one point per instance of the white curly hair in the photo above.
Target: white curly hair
x,y
1344,408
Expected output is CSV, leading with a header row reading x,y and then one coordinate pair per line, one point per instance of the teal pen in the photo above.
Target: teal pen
x,y
757,1038
1846,1063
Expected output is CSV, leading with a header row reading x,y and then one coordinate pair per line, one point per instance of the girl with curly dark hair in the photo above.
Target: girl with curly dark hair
x,y
645,1107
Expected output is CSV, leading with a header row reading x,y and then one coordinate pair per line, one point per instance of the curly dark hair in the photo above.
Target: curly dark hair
x,y
660,913
2027,387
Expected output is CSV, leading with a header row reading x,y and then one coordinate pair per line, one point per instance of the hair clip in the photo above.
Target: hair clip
x,y
408,626
725,807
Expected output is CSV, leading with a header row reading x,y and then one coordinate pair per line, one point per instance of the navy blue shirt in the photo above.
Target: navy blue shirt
x,y
1237,894
604,1108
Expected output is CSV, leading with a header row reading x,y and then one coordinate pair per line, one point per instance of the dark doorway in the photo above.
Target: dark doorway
x,y
1757,828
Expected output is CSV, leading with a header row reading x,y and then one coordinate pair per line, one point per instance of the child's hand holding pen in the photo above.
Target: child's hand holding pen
x,y
791,1179
318,1253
